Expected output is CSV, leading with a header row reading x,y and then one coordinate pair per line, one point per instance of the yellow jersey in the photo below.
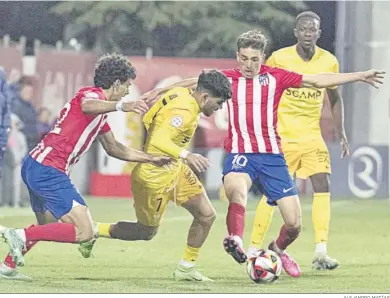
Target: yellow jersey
x,y
171,123
300,109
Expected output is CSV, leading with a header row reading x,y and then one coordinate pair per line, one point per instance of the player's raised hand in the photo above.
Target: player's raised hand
x,y
197,162
373,77
137,106
344,146
161,161
151,97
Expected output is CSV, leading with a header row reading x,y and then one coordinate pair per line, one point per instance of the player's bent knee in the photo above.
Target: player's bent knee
x,y
320,182
293,226
236,195
237,186
208,219
147,233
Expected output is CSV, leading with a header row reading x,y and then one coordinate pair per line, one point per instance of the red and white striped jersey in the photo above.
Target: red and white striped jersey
x,y
253,109
72,134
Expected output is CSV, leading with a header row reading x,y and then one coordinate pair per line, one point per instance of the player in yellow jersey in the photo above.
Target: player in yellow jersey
x,y
304,149
171,123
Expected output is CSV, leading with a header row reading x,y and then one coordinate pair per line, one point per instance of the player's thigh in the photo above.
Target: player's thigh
x,y
315,160
187,186
274,178
51,188
292,155
320,182
238,174
42,215
44,218
290,209
191,195
149,203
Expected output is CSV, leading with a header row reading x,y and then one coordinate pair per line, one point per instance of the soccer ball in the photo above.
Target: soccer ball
x,y
264,266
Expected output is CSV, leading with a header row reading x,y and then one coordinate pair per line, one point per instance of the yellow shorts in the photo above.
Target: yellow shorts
x,y
153,192
307,158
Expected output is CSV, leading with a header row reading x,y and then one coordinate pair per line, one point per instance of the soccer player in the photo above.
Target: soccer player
x,y
304,149
46,169
171,123
253,143
255,153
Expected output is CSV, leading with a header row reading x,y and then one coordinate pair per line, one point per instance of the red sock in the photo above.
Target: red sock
x,y
235,219
286,237
57,232
8,259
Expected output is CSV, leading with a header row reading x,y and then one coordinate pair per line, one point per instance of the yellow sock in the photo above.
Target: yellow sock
x,y
104,229
222,194
264,213
191,254
321,218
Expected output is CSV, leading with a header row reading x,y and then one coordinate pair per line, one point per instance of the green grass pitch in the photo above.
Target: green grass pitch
x,y
359,239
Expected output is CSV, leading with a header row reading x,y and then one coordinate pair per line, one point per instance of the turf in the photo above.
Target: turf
x,y
359,240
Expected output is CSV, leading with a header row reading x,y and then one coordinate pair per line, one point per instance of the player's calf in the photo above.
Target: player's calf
x,y
236,187
132,231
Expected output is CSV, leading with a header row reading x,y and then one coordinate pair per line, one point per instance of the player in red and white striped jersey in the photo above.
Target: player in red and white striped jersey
x,y
255,155
252,110
46,170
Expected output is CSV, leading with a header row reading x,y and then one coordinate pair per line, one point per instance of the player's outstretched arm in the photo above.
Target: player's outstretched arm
x,y
96,107
162,140
324,80
152,96
120,151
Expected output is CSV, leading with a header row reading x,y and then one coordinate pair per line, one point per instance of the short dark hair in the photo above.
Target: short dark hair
x,y
112,67
307,14
254,39
215,83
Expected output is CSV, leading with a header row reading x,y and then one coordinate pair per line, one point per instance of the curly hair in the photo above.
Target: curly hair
x,y
215,83
254,39
112,67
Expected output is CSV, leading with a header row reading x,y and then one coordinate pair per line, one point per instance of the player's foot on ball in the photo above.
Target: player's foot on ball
x,y
289,264
16,246
12,274
183,273
322,261
86,248
233,246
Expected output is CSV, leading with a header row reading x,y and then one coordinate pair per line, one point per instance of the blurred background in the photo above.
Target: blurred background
x,y
48,51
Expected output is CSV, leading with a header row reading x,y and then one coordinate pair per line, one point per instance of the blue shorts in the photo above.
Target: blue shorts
x,y
50,189
268,172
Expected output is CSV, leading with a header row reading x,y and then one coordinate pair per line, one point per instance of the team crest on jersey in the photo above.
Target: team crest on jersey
x,y
263,80
177,121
